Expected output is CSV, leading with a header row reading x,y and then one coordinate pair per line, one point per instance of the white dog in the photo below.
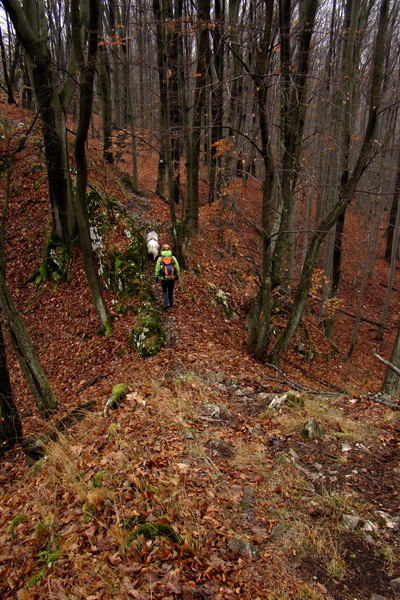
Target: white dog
x,y
152,244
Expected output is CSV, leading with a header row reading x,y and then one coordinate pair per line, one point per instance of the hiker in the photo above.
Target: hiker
x,y
167,271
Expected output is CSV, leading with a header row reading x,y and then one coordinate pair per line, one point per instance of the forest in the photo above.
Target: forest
x,y
244,443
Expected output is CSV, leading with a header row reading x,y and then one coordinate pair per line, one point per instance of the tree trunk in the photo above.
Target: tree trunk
x,y
103,70
26,353
193,151
391,384
88,70
10,424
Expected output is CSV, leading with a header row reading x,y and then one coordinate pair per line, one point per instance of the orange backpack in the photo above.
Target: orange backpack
x,y
167,269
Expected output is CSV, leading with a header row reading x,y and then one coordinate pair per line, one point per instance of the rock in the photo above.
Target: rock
x,y
242,546
346,448
212,409
369,526
377,597
188,433
395,584
352,521
239,392
313,430
264,396
221,448
293,454
280,529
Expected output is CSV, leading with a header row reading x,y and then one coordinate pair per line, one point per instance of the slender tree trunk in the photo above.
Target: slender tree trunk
x,y
194,149
10,424
103,70
391,384
217,100
394,210
88,69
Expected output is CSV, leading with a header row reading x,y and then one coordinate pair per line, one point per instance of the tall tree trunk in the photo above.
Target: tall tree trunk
x,y
193,151
103,70
10,424
87,73
217,100
394,209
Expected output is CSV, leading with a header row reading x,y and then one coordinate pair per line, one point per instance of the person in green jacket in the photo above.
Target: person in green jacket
x,y
167,271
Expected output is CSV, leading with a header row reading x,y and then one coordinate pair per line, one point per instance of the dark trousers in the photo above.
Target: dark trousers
x,y
168,292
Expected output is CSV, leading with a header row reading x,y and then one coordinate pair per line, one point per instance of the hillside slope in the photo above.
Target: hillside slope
x,y
256,509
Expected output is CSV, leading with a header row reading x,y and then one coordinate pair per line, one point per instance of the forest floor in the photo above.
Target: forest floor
x,y
255,510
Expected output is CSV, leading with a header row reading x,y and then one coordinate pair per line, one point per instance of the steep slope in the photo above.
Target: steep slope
x,y
256,510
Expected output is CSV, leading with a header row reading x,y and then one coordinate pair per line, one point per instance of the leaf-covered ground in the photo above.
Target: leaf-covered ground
x,y
254,509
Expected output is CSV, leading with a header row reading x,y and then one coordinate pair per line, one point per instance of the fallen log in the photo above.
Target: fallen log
x,y
34,445
388,364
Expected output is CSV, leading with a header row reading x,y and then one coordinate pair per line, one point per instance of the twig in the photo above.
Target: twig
x,y
292,383
91,382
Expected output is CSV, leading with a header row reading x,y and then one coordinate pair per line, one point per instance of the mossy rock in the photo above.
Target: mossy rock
x,y
55,263
148,337
123,272
118,393
153,530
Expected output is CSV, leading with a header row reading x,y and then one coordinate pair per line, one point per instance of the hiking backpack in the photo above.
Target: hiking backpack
x,y
167,269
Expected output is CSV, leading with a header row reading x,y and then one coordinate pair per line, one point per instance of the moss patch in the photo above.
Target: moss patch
x,y
153,530
148,336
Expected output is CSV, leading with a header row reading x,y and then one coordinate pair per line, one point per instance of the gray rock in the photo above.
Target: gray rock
x,y
369,526
377,597
212,409
280,530
263,396
313,430
395,584
242,546
352,521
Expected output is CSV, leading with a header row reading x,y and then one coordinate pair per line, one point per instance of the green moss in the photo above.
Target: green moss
x,y
222,299
118,393
123,272
148,337
14,524
153,530
55,263
36,578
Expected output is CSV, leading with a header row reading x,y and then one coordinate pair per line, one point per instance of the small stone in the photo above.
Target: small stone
x,y
346,448
263,396
351,521
212,409
377,597
395,584
280,530
239,392
242,546
369,526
